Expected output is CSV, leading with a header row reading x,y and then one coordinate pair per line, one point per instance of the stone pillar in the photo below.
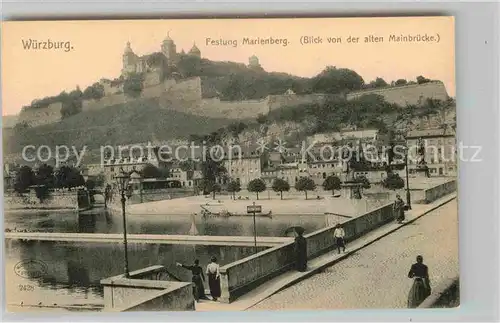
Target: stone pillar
x,y
225,297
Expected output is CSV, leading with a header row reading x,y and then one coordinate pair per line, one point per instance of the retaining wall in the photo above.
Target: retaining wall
x,y
239,277
409,94
60,200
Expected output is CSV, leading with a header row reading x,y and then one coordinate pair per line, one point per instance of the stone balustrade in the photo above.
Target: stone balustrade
x,y
439,191
147,290
445,295
246,274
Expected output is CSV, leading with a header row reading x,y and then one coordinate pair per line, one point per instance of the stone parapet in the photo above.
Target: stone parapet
x,y
246,274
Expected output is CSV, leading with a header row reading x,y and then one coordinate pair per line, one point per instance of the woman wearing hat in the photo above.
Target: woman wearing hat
x,y
214,278
300,250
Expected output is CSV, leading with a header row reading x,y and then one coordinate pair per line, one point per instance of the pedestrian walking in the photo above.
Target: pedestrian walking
x,y
399,209
198,279
213,275
339,235
421,287
300,250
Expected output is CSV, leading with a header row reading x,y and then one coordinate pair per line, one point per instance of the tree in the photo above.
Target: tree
x,y
236,128
393,182
233,187
337,80
261,119
257,186
187,165
379,82
400,82
95,91
133,85
44,175
332,183
280,185
151,171
422,80
210,187
71,105
305,184
24,179
364,181
68,177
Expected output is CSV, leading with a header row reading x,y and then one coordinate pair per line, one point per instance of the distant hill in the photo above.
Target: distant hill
x,y
135,122
9,121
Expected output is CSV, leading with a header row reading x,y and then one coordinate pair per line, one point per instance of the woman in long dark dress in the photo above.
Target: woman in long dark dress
x,y
198,279
213,275
399,209
421,287
300,250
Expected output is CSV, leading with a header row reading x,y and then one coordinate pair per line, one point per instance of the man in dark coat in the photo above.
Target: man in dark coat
x,y
300,250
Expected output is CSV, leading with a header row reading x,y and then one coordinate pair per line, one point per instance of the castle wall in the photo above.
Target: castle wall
x,y
154,91
233,109
110,90
152,78
410,94
41,116
290,100
187,90
109,100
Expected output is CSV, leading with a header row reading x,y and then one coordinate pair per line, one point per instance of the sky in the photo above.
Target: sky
x,y
97,48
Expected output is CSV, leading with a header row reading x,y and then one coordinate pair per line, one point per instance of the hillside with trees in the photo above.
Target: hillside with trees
x,y
142,120
135,122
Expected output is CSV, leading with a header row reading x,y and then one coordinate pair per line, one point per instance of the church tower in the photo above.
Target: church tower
x,y
169,49
129,60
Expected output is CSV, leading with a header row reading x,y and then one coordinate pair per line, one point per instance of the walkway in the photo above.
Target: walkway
x,y
298,299
375,277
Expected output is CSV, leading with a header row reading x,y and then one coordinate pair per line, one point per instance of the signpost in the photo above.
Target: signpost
x,y
253,209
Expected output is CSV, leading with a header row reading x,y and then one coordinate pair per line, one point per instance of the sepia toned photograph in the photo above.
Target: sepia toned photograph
x,y
230,164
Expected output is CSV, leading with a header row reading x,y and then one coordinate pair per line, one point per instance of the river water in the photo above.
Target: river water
x,y
73,270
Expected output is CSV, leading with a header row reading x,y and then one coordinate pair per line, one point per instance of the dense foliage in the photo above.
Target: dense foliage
x,y
305,184
280,185
257,186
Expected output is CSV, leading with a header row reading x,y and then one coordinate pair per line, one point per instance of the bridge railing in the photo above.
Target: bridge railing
x,y
241,276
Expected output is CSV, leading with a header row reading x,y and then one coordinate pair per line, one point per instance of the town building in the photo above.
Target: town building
x,y
440,150
244,167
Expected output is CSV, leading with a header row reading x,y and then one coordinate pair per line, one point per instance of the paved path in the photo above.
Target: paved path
x,y
375,277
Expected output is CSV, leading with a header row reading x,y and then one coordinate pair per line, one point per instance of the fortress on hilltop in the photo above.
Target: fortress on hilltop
x,y
162,81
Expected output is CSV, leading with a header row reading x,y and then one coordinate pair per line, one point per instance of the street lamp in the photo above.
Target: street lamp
x,y
122,181
408,196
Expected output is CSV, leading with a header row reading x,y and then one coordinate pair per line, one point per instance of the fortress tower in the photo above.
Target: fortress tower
x,y
169,49
195,51
130,60
253,62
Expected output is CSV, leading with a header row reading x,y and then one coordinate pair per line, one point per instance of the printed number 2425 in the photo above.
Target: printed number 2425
x,y
26,288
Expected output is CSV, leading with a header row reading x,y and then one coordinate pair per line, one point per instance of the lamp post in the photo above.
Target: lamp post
x,y
122,181
408,196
